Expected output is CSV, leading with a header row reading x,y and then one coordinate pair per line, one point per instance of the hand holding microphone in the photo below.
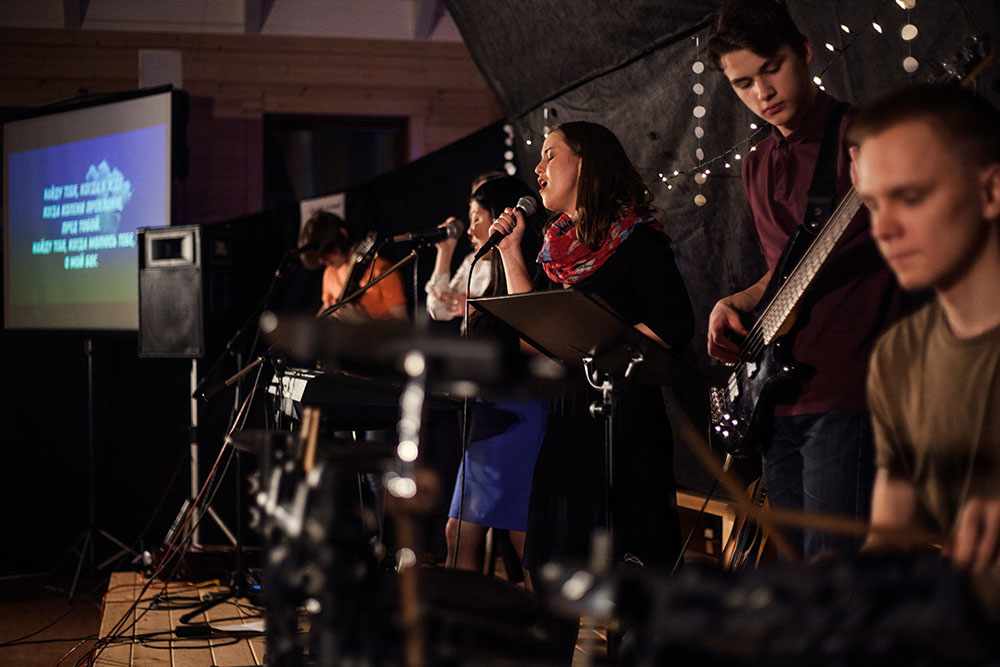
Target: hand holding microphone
x,y
508,223
448,243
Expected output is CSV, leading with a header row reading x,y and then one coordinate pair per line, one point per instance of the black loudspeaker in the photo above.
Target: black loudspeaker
x,y
199,283
171,294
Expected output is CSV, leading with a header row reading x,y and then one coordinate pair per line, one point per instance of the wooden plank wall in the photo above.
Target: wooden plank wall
x,y
235,79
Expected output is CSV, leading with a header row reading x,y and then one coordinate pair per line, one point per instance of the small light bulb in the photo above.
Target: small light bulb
x,y
877,27
845,28
737,157
818,81
753,126
527,141
727,165
830,47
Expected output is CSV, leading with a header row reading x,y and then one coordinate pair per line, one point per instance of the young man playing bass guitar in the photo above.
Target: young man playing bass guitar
x,y
812,429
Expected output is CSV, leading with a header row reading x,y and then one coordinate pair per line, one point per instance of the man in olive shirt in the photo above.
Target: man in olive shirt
x,y
927,167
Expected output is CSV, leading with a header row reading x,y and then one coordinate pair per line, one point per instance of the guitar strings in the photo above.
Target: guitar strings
x,y
755,337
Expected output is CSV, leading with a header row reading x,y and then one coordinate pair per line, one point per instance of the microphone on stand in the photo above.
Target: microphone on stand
x,y
527,206
294,252
452,230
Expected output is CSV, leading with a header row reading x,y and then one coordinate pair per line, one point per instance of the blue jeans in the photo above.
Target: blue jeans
x,y
821,463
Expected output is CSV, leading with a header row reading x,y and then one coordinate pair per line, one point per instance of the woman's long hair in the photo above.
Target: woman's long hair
x,y
608,181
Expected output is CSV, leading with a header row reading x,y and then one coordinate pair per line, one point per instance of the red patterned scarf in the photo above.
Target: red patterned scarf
x,y
568,261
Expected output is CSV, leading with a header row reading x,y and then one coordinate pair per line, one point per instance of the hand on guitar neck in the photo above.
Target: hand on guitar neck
x,y
725,323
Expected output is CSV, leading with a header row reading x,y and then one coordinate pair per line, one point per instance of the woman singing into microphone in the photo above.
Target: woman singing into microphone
x,y
603,241
494,479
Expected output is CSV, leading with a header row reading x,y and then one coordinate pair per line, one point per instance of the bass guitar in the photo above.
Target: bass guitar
x,y
740,409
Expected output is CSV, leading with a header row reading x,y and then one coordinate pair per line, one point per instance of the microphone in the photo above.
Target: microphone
x,y
295,252
527,207
450,231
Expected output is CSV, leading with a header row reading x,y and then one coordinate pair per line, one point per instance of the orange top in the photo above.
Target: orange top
x,y
378,300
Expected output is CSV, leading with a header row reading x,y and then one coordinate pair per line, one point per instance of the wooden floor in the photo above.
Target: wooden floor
x,y
140,618
139,623
40,627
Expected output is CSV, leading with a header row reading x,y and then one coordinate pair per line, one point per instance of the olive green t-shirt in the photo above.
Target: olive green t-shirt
x,y
935,404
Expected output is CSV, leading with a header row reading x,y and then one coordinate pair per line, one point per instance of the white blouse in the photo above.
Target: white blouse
x,y
446,298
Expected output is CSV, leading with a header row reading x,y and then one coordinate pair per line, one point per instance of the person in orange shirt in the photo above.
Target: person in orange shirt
x,y
333,250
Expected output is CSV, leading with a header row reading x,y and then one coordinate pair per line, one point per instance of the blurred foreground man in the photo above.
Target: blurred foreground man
x,y
927,165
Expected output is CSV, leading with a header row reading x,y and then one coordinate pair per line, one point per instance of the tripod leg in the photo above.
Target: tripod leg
x,y
222,526
124,549
79,565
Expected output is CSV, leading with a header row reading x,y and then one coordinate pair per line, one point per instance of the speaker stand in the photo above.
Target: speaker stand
x,y
192,533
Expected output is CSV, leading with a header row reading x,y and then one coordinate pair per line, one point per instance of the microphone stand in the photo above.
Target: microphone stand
x,y
238,582
212,392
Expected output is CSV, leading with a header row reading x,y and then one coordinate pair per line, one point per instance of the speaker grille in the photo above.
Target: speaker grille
x,y
170,312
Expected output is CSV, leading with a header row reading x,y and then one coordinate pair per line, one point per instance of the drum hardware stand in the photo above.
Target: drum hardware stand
x,y
403,486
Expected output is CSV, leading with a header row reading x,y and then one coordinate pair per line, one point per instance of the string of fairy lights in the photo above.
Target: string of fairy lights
x,y
702,168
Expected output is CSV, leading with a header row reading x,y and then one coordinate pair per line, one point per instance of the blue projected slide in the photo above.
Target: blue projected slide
x,y
72,213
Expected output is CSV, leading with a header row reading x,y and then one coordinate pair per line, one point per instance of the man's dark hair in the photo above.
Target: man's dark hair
x,y
960,117
326,232
761,26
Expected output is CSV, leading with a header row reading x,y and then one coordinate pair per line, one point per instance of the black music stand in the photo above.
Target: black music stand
x,y
579,329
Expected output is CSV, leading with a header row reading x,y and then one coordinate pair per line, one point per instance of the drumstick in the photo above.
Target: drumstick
x,y
768,517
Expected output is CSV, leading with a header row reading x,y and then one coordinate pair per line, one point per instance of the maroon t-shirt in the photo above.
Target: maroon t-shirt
x,y
854,297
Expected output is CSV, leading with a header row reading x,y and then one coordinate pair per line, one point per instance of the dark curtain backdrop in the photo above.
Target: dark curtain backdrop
x,y
424,193
630,67
419,195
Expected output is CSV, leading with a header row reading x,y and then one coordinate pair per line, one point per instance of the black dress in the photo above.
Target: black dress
x,y
640,281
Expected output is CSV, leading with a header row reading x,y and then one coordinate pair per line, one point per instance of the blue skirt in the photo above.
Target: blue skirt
x,y
499,463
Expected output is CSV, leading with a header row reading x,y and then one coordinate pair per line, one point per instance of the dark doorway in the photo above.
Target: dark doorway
x,y
310,155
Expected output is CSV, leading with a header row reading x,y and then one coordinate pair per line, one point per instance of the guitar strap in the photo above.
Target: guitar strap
x,y
822,193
